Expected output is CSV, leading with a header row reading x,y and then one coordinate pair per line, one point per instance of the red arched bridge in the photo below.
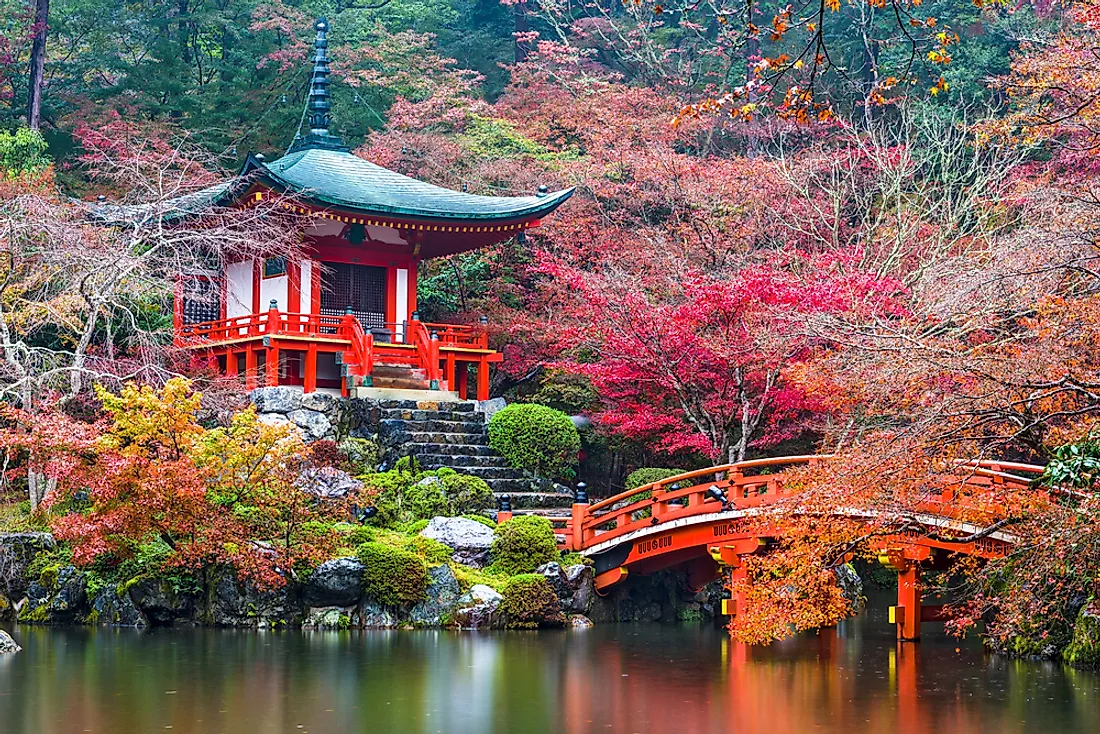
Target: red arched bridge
x,y
707,525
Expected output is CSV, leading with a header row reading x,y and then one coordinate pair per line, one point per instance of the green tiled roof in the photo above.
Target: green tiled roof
x,y
341,179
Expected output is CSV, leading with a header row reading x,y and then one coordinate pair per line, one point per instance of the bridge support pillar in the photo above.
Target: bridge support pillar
x,y
734,579
908,614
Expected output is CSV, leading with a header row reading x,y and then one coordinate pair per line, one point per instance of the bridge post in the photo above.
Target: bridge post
x,y
908,614
580,509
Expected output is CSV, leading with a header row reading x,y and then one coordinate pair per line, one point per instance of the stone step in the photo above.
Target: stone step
x,y
539,500
419,416
468,439
399,383
427,402
396,370
390,397
454,459
452,451
400,426
485,472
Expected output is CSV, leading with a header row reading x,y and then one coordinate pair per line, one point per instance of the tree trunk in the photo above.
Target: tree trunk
x,y
38,64
522,25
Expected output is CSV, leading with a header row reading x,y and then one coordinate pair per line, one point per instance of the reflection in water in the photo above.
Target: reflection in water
x,y
687,680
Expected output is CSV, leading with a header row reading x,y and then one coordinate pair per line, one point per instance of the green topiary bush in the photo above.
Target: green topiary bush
x,y
426,499
530,602
394,576
465,493
535,437
403,495
432,551
523,544
648,475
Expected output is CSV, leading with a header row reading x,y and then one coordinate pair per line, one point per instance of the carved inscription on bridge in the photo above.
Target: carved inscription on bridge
x,y
649,545
736,527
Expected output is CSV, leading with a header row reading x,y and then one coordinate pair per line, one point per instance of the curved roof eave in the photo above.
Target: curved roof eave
x,y
365,187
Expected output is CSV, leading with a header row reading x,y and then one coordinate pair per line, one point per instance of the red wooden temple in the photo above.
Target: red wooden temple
x,y
344,315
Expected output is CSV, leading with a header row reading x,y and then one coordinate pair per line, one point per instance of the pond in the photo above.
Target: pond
x,y
615,678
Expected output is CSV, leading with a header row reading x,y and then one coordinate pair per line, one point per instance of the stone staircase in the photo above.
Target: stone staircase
x,y
454,434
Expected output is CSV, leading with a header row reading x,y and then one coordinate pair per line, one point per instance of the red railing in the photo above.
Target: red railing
x,y
744,487
427,350
454,335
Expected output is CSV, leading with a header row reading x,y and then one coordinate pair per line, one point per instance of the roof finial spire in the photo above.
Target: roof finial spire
x,y
320,115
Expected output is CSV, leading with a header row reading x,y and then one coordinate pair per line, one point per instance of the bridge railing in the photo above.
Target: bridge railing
x,y
748,484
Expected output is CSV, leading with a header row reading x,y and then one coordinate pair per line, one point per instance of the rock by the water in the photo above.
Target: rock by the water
x,y
276,399
372,615
162,605
470,539
7,644
441,597
58,597
17,550
478,608
328,618
1084,649
114,610
579,622
315,424
234,603
851,586
574,586
328,483
337,583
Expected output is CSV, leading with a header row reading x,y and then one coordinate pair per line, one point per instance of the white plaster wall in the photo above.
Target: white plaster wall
x,y
307,286
273,288
402,302
239,289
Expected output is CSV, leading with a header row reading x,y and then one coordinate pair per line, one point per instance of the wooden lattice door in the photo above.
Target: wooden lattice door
x,y
360,287
202,300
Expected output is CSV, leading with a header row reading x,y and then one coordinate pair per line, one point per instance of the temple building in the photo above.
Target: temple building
x,y
344,314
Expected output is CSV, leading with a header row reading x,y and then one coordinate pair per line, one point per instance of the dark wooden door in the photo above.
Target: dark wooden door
x,y
362,287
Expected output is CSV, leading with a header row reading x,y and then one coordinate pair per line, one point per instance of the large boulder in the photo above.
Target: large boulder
x,y
328,618
276,399
478,608
315,424
574,586
440,600
470,539
17,550
372,615
162,605
116,610
7,644
337,583
57,597
234,603
1084,650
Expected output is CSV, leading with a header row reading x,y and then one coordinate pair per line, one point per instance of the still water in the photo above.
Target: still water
x,y
624,678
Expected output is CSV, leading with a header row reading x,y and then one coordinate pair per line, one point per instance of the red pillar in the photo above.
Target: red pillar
x,y
271,365
250,368
310,381
463,379
907,614
483,379
230,363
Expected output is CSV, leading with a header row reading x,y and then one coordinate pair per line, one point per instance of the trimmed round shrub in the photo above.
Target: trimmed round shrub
x,y
394,576
523,544
530,602
426,499
536,438
465,493
648,475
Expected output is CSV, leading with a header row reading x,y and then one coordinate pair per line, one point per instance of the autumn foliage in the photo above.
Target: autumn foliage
x,y
149,471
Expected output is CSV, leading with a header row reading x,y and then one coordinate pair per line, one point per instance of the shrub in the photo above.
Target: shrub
x,y
363,454
356,535
465,493
523,544
426,499
432,551
529,602
648,475
535,437
393,576
327,453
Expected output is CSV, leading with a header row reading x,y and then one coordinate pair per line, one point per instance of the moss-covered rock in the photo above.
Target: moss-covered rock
x,y
1084,649
392,576
530,602
523,544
